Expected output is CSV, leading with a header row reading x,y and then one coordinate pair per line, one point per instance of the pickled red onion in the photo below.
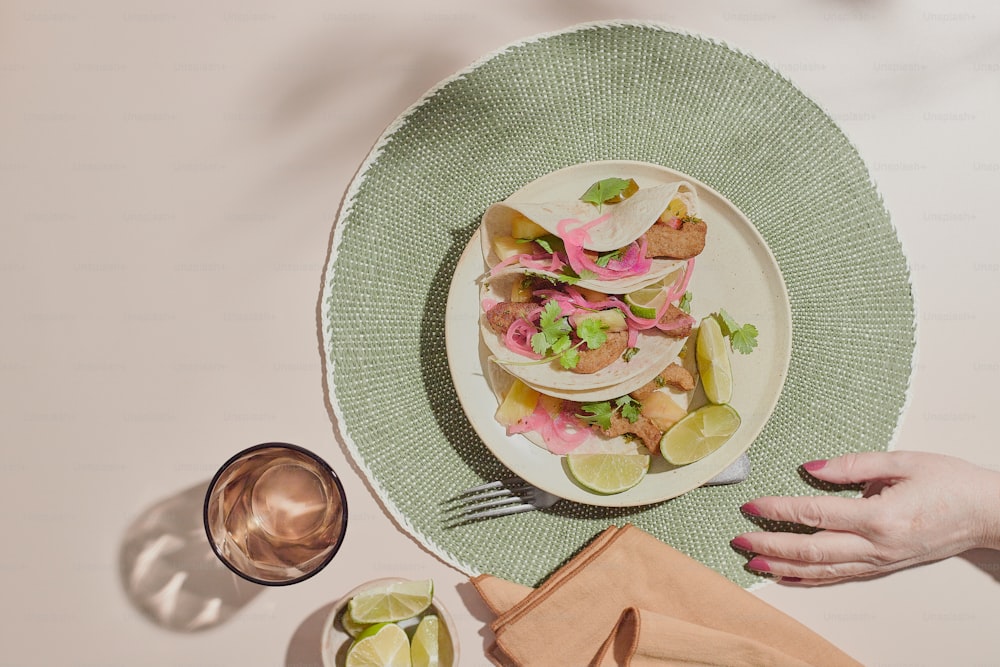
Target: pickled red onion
x,y
561,433
518,338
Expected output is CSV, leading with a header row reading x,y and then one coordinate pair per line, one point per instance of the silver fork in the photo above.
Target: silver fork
x,y
510,495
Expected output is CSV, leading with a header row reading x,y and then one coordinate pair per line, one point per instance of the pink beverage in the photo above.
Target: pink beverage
x,y
275,514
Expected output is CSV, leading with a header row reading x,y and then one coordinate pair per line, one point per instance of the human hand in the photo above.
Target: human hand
x,y
915,507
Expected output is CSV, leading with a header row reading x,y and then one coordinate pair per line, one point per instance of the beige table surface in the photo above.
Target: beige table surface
x,y
169,175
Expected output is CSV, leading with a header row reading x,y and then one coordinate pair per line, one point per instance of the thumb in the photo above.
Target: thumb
x,y
860,467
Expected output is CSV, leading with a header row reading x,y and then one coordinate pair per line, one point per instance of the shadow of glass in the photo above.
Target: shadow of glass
x,y
305,647
169,572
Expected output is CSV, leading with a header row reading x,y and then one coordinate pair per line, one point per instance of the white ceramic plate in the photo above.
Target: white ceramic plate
x,y
736,272
336,641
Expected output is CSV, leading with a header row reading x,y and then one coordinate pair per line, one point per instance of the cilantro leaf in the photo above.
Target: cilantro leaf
x,y
539,343
743,338
603,259
569,359
600,414
629,408
591,332
587,274
685,303
552,320
603,190
729,325
629,353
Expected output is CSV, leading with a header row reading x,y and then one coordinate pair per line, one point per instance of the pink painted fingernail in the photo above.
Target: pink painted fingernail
x,y
751,509
741,543
810,466
759,564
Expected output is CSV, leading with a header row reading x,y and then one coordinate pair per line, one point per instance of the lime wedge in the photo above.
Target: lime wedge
x,y
646,301
351,627
394,602
608,473
713,362
424,647
699,434
382,645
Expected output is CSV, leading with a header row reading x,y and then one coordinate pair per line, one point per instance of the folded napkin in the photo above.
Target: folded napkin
x,y
629,599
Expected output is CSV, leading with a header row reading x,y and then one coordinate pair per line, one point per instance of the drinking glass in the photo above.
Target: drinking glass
x,y
275,514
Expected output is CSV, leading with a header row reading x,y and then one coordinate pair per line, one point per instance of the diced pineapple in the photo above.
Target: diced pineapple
x,y
662,410
507,246
523,228
520,291
551,404
612,319
519,403
675,209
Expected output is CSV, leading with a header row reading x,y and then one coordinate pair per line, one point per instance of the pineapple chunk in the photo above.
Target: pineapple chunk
x,y
612,319
662,410
675,209
523,228
520,291
507,246
518,404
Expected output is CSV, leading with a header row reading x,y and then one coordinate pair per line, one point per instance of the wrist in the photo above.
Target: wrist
x,y
989,537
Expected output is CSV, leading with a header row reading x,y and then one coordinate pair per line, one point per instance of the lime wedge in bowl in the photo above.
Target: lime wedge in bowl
x,y
394,602
425,647
381,645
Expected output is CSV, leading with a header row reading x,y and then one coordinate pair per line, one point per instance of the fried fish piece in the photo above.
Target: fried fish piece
x,y
592,361
677,322
684,242
642,428
674,375
504,313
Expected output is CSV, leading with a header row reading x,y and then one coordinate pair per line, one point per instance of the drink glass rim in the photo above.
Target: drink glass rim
x,y
276,445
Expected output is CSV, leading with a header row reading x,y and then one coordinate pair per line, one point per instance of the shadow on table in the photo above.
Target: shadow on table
x,y
986,560
169,572
304,649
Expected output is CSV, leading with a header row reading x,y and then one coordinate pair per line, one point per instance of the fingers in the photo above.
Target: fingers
x,y
827,546
860,467
830,512
798,572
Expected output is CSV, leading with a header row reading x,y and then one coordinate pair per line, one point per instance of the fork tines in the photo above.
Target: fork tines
x,y
506,496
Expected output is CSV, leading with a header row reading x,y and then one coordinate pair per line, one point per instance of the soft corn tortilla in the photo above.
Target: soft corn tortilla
x,y
626,222
656,350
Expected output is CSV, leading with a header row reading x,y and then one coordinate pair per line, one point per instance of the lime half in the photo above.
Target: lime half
x,y
608,473
395,602
424,650
713,362
382,645
699,434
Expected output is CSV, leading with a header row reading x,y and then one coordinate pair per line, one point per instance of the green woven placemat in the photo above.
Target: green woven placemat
x,y
605,91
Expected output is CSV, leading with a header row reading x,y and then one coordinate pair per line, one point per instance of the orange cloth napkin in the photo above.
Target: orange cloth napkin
x,y
629,599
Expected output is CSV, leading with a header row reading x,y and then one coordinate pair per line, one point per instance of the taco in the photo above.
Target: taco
x,y
577,343
626,424
615,244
